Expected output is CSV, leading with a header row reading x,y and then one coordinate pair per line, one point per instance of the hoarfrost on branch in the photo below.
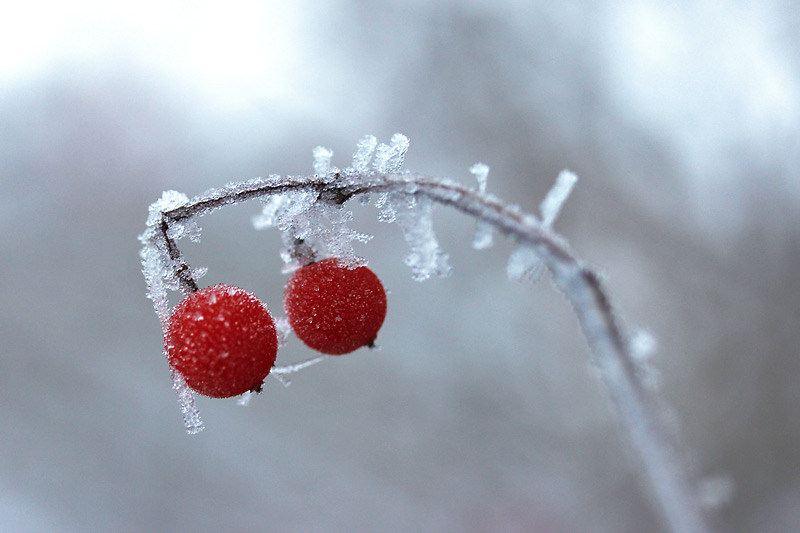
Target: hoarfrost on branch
x,y
310,212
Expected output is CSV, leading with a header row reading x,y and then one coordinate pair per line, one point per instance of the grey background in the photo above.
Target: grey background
x,y
481,411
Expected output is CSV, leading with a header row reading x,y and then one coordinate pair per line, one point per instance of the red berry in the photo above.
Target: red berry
x,y
335,309
222,340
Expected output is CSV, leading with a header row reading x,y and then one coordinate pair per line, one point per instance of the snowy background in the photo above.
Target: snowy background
x,y
481,411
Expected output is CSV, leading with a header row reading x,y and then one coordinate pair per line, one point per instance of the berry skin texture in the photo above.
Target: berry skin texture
x,y
222,340
335,309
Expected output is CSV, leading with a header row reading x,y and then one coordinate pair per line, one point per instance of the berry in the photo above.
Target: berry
x,y
335,309
222,340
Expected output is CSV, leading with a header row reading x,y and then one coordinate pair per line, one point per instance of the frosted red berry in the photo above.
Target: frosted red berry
x,y
222,340
335,309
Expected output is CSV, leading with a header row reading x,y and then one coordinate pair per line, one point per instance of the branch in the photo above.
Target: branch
x,y
666,474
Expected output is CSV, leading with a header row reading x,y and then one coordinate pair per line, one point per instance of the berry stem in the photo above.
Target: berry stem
x,y
665,472
182,272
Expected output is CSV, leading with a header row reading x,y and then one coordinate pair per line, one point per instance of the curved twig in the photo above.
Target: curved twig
x,y
667,475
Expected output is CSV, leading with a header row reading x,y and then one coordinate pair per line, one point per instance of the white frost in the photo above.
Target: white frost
x,y
244,399
363,155
158,267
524,264
481,173
387,212
312,229
191,416
169,200
322,160
414,216
389,157
280,372
284,329
484,235
558,194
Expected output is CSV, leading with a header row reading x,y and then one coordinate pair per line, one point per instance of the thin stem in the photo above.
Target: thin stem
x,y
666,474
183,272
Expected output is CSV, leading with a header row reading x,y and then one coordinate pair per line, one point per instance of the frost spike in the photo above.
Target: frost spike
x,y
558,194
191,416
484,235
364,150
415,217
389,157
481,173
322,160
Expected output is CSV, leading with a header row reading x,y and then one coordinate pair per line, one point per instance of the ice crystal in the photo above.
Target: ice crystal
x,y
364,150
322,160
414,216
314,228
558,194
481,173
191,416
484,232
389,157
524,264
387,212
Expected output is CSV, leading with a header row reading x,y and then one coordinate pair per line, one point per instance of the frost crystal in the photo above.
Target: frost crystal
x,y
322,160
481,173
169,200
158,267
272,207
484,232
484,235
244,399
191,416
280,372
558,194
364,149
387,212
283,329
389,157
414,215
524,265
312,229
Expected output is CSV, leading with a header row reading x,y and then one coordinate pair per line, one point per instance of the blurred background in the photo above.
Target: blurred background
x,y
481,411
